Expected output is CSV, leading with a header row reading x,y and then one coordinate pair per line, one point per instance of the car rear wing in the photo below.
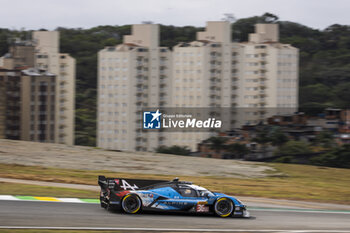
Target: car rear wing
x,y
119,184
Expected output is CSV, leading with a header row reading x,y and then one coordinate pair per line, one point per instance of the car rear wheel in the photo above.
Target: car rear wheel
x,y
131,204
103,205
103,201
223,207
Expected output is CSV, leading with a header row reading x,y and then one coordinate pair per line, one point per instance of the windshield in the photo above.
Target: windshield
x,y
205,193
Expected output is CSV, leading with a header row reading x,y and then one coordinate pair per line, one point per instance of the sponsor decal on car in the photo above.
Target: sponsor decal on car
x,y
201,208
175,203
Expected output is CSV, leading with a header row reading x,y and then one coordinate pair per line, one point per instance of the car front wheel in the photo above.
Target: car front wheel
x,y
223,207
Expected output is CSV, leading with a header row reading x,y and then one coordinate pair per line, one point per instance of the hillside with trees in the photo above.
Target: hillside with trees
x,y
324,61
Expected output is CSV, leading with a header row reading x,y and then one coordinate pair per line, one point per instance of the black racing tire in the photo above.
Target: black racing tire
x,y
103,201
224,207
103,205
131,204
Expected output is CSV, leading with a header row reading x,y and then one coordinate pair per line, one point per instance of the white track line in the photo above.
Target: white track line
x,y
302,211
71,200
172,229
8,198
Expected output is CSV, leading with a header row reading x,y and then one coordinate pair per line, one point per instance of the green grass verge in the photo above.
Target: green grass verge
x,y
36,190
295,182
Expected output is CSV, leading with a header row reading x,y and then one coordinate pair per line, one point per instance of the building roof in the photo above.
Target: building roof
x,y
36,72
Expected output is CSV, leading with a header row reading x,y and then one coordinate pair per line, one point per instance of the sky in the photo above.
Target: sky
x,y
50,14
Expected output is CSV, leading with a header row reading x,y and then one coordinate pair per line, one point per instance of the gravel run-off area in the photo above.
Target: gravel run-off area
x,y
88,158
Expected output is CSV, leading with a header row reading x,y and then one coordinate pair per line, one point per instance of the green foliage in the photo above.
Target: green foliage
x,y
273,135
217,143
238,150
262,136
338,157
325,139
294,148
277,137
176,150
242,27
315,93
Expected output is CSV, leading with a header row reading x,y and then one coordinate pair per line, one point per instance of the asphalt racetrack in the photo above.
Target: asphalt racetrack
x,y
92,216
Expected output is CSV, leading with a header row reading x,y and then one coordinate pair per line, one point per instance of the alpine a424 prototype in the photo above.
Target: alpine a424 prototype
x,y
132,196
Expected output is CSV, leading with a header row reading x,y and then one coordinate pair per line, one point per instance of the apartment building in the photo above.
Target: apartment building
x,y
132,76
267,74
245,82
48,57
242,83
21,54
42,53
27,105
202,77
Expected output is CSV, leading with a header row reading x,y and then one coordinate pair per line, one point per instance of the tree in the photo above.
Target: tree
x,y
338,157
325,139
294,148
217,143
238,150
269,18
262,138
278,138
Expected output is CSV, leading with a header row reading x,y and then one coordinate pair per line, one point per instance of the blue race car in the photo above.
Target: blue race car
x,y
132,196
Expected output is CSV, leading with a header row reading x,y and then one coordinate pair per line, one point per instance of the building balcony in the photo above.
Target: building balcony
x,y
139,101
262,103
139,136
214,79
213,95
262,85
